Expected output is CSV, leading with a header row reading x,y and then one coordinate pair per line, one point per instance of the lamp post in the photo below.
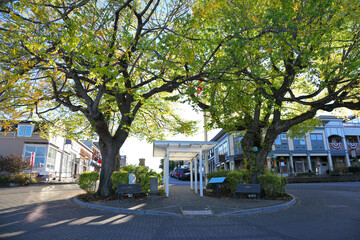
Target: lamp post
x,y
206,155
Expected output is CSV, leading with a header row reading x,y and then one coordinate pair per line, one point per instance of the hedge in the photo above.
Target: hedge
x,y
273,185
87,181
232,179
142,174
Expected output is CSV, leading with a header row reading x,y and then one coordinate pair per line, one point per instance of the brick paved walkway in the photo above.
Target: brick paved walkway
x,y
181,197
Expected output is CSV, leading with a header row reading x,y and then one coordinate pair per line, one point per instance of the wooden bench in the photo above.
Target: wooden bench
x,y
129,189
248,188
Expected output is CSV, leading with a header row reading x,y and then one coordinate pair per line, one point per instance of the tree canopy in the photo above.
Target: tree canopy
x,y
111,63
278,64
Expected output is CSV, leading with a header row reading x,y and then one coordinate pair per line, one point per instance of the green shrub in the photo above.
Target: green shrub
x,y
233,178
142,175
354,169
273,185
306,174
21,178
5,179
121,176
87,181
219,173
336,171
32,180
144,180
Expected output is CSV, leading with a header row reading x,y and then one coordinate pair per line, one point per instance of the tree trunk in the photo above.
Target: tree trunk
x,y
257,147
109,151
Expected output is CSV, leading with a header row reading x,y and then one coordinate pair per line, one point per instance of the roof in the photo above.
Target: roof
x,y
13,126
181,150
219,135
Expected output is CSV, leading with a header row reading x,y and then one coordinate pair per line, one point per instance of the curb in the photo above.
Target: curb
x,y
124,210
262,210
156,213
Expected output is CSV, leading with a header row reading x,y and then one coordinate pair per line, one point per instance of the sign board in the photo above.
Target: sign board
x,y
32,159
217,180
142,162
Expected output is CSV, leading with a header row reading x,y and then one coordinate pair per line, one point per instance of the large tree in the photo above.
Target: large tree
x,y
278,64
110,62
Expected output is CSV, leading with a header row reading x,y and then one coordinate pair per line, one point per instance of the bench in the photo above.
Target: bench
x,y
129,189
248,188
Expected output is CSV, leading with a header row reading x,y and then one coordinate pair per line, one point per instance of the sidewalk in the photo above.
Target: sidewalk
x,y
183,201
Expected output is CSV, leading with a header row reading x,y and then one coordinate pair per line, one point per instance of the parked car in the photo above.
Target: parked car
x,y
181,171
172,174
185,176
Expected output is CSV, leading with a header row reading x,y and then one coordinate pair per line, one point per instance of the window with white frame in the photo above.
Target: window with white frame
x,y
40,154
25,130
225,148
65,167
50,164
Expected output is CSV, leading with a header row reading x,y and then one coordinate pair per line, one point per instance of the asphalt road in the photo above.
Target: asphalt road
x,y
323,211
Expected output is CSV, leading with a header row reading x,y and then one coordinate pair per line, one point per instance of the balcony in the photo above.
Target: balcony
x,y
353,149
281,147
337,149
299,148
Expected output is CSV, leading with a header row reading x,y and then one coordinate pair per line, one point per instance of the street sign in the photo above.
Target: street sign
x,y
217,180
32,159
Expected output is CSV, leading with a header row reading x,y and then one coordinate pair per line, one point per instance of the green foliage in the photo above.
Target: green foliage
x,y
145,180
21,178
13,163
232,179
305,174
278,63
142,174
101,67
273,185
32,180
87,181
5,179
301,129
354,169
121,177
172,164
337,170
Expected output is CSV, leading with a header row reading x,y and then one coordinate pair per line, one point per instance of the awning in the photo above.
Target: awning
x,y
181,150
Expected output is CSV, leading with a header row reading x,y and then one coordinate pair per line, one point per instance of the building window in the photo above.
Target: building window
x,y
316,139
25,130
40,154
237,144
65,166
225,148
281,139
50,164
299,141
